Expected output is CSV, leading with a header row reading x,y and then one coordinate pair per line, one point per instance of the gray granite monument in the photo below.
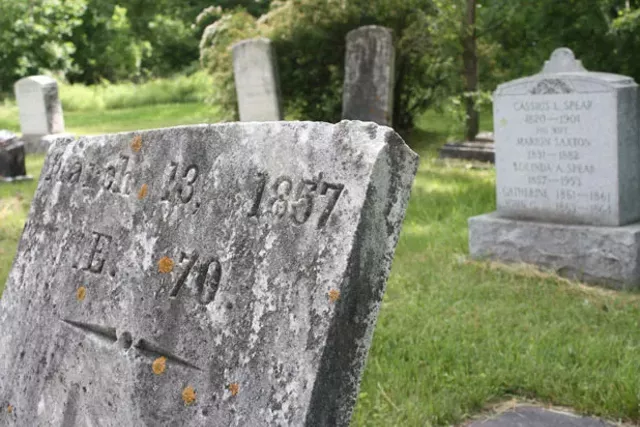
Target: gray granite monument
x,y
255,72
210,275
40,111
567,156
369,75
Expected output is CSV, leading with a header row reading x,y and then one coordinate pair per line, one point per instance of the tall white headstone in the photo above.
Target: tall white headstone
x,y
40,110
257,83
567,158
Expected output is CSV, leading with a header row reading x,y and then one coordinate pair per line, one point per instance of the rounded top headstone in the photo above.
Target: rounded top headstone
x,y
251,42
371,29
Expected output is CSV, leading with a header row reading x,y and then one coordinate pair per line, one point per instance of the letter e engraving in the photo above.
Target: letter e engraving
x,y
98,252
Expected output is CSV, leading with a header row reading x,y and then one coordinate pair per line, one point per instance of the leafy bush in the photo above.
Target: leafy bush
x,y
215,54
309,38
34,37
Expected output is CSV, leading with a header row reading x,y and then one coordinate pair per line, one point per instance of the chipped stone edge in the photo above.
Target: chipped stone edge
x,y
348,342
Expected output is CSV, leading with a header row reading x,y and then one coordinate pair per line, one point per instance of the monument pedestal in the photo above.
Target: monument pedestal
x,y
480,151
608,256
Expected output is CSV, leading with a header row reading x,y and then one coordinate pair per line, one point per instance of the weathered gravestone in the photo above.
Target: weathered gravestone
x,y
568,150
40,111
12,166
369,75
257,82
202,275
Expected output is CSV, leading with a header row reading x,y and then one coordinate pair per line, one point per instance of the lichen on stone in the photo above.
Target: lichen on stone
x,y
136,144
188,395
234,388
334,295
165,265
143,191
81,293
159,365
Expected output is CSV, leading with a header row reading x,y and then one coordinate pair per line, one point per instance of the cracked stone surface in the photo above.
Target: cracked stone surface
x,y
207,275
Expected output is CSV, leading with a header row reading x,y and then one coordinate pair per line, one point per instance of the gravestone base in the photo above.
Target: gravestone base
x,y
35,144
480,151
608,256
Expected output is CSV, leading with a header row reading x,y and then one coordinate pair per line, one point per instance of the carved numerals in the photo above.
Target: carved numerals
x,y
208,273
179,182
295,203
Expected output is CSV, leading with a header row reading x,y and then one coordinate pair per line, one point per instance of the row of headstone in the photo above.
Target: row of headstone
x,y
568,174
368,83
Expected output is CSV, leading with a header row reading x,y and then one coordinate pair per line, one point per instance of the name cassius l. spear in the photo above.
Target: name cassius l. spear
x,y
552,105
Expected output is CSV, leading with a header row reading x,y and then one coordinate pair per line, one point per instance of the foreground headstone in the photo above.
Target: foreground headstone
x,y
208,275
12,165
40,111
567,157
257,82
369,75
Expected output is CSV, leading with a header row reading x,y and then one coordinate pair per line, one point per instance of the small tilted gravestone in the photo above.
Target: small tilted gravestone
x,y
567,156
12,165
40,111
207,275
257,82
369,75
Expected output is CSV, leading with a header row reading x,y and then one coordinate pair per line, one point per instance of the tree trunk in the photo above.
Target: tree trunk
x,y
470,60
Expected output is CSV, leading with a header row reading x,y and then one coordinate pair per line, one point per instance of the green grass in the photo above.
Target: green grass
x,y
125,119
178,89
452,335
15,199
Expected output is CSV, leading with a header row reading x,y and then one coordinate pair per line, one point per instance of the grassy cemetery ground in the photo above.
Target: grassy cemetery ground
x,y
453,336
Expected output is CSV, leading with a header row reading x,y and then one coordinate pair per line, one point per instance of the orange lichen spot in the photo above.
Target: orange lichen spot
x,y
165,265
188,395
81,293
143,191
136,143
10,409
234,388
159,365
334,295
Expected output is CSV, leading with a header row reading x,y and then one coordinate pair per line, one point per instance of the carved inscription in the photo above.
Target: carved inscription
x,y
94,254
205,273
285,199
179,182
552,158
125,341
114,177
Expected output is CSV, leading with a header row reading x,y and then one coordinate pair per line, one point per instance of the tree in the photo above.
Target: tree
x,y
35,37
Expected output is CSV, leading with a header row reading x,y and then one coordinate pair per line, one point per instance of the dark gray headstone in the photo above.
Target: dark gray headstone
x,y
369,75
208,275
12,166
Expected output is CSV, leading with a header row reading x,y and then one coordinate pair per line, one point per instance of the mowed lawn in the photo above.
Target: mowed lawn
x,y
453,336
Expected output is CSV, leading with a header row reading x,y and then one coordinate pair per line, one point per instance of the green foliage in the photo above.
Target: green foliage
x,y
34,37
309,38
215,54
